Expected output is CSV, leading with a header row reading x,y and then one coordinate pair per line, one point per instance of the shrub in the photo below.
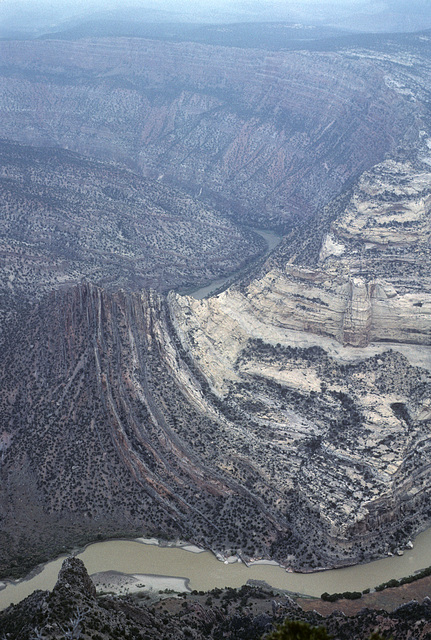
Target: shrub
x,y
295,630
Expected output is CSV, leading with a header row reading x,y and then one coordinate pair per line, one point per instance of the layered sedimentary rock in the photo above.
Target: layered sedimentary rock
x,y
125,413
99,437
270,135
326,356
345,428
287,417
368,280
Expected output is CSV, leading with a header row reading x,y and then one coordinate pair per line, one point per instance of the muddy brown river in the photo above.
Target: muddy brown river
x,y
203,571
272,240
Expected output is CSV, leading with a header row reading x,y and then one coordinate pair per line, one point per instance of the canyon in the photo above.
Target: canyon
x,y
68,219
286,417
74,607
268,136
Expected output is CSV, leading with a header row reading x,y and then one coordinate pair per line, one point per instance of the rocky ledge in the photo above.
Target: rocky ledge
x,y
324,362
73,610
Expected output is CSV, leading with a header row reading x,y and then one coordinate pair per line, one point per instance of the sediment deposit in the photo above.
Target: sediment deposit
x,y
287,417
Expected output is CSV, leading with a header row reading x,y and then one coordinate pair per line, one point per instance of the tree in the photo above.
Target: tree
x,y
295,630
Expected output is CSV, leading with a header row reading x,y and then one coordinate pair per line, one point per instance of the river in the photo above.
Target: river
x,y
272,240
203,571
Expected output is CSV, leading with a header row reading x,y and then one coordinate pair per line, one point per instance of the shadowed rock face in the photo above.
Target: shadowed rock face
x,y
271,135
288,416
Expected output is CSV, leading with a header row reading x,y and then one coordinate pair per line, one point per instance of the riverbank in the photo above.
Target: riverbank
x,y
121,584
203,571
220,284
388,600
247,612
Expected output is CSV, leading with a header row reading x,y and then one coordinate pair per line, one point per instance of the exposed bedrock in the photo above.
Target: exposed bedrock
x,y
127,414
351,309
346,428
271,135
361,273
325,356
289,416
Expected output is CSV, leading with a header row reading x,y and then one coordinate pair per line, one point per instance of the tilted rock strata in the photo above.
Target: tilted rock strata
x,y
351,429
99,437
287,416
121,414
319,354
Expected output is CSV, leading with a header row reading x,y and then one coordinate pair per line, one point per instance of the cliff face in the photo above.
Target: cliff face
x,y
125,413
370,280
326,356
271,135
288,416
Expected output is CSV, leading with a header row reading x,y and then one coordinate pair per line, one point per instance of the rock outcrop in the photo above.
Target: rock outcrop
x,y
269,136
370,280
126,413
323,354
287,417
72,610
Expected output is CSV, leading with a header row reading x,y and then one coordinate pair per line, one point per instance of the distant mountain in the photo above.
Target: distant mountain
x,y
257,35
23,18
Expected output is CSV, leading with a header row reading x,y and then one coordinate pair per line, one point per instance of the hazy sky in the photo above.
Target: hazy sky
x,y
397,14
75,6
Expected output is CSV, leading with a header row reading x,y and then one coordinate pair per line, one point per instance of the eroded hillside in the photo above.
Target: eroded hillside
x,y
122,414
66,218
271,136
287,417
325,358
99,436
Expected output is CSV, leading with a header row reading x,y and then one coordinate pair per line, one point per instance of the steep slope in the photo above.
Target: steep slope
x,y
99,437
66,218
120,414
326,357
360,273
244,614
287,417
270,135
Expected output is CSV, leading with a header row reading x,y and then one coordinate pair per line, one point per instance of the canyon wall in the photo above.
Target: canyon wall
x,y
286,417
122,413
269,135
